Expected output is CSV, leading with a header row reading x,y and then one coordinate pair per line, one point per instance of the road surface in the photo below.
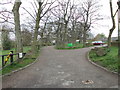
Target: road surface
x,y
61,69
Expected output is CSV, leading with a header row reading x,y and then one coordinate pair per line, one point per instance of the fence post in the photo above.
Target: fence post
x,y
11,57
2,61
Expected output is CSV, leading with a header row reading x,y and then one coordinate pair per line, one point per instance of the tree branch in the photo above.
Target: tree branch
x,y
115,13
29,13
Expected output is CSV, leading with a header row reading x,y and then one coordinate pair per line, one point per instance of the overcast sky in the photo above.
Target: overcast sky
x,y
102,27
107,23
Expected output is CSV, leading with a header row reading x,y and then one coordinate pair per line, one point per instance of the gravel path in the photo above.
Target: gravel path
x,y
61,69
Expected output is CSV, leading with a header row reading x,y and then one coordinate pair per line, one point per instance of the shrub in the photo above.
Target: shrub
x,y
6,45
6,42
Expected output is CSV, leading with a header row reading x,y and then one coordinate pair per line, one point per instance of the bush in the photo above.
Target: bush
x,y
6,45
6,42
26,37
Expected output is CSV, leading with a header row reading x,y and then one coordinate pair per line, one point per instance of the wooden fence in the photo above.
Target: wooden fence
x,y
114,44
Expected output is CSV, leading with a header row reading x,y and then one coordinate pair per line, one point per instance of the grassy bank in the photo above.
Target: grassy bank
x,y
109,61
27,60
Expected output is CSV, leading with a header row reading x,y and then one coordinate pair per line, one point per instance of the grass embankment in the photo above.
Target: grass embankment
x,y
109,61
75,46
22,63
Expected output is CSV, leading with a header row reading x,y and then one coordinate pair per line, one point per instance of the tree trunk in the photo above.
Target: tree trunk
x,y
17,27
73,38
42,32
35,43
60,38
42,41
58,35
85,29
113,27
65,34
84,38
109,38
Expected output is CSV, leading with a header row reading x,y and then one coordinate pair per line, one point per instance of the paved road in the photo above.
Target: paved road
x,y
61,69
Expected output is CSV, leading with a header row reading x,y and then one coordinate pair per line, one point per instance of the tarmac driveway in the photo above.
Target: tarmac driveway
x,y
61,69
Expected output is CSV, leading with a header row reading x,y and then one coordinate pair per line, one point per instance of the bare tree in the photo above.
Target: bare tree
x,y
76,27
5,15
34,48
90,15
113,22
63,14
58,25
67,14
17,25
41,8
44,30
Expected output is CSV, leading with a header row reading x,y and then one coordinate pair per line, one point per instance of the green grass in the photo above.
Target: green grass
x,y
75,46
6,52
110,61
22,63
25,49
17,65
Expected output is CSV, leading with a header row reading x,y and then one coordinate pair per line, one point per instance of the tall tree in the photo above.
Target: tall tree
x,y
17,25
90,15
63,14
113,26
41,8
67,11
34,48
76,26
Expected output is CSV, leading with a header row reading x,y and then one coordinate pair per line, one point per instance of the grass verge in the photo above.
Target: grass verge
x,y
6,52
109,61
16,66
26,61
